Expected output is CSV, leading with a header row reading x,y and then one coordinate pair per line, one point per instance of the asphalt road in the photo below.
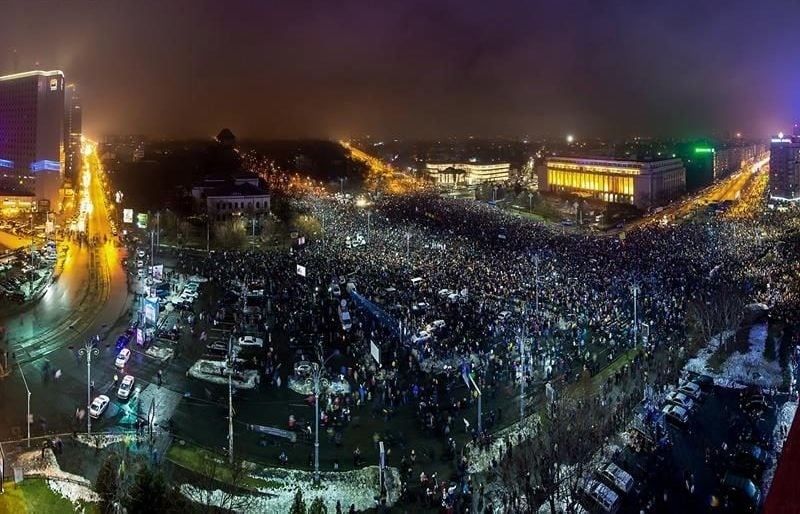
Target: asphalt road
x,y
90,292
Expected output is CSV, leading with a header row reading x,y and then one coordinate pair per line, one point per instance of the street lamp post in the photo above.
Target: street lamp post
x,y
635,291
316,378
89,349
28,417
494,194
530,202
536,279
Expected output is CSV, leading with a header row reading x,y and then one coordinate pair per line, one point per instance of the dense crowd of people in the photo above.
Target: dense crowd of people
x,y
570,300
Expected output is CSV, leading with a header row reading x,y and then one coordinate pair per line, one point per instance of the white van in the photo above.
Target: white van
x,y
416,281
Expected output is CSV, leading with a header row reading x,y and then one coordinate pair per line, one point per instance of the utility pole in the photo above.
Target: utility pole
x,y
317,371
635,291
521,378
230,399
28,419
480,406
208,232
158,230
536,278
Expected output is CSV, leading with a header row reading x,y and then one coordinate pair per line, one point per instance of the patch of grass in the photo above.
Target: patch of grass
x,y
210,464
34,496
616,364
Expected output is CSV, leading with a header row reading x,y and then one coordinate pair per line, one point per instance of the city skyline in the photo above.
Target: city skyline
x,y
416,69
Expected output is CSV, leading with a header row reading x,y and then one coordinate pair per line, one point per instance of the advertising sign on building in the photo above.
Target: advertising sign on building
x,y
158,272
151,310
301,270
141,220
127,215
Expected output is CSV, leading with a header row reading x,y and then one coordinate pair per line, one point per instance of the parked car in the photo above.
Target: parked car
x,y
124,339
420,307
99,406
123,357
705,382
691,390
436,326
251,341
616,477
680,399
503,316
125,387
741,493
750,460
604,498
676,414
421,337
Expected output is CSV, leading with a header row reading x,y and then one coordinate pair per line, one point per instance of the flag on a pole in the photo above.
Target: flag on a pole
x,y
301,270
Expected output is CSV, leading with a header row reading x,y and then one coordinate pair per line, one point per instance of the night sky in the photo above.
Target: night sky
x,y
417,68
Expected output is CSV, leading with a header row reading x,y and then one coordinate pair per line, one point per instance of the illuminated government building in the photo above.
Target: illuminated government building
x,y
641,183
468,173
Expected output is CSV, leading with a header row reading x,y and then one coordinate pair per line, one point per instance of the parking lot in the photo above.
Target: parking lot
x,y
695,464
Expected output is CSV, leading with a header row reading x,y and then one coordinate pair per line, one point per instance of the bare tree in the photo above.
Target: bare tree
x,y
718,313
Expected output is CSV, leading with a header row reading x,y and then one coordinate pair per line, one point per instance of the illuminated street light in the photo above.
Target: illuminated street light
x,y
570,138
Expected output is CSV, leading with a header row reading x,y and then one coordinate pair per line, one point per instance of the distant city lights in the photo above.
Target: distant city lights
x,y
570,138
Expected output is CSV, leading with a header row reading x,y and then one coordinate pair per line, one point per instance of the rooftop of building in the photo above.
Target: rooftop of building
x,y
644,162
33,73
229,189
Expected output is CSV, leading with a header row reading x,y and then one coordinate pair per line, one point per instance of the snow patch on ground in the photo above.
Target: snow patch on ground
x,y
75,488
779,435
359,487
160,353
215,372
699,363
751,367
739,368
102,440
481,461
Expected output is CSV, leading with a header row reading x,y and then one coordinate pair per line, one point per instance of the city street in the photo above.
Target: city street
x,y
90,292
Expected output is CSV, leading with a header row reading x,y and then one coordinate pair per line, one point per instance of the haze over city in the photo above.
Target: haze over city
x,y
416,68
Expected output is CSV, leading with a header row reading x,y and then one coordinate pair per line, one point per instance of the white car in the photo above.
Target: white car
x,y
251,341
99,406
503,316
140,254
123,358
125,387
616,477
676,414
605,498
444,293
691,390
436,325
139,264
680,399
422,337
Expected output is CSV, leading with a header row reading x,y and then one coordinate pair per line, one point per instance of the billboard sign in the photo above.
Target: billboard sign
x,y
151,310
127,215
141,220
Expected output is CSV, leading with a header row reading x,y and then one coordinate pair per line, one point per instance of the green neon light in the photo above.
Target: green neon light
x,y
701,149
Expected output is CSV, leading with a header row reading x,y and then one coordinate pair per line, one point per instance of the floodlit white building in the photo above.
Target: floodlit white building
x,y
467,173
